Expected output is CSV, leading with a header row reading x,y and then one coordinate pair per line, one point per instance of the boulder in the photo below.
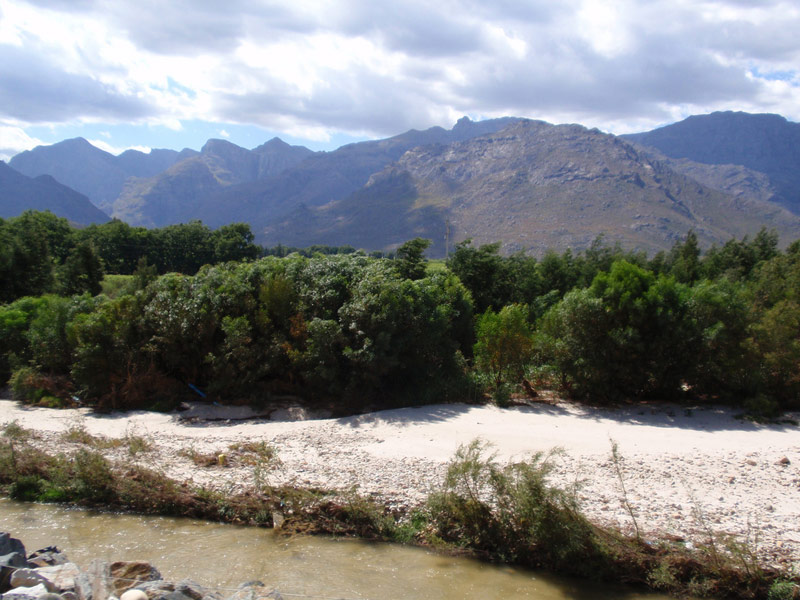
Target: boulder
x,y
156,589
12,557
254,590
175,596
47,557
29,578
192,589
36,592
128,574
61,577
103,579
84,587
13,560
9,545
183,590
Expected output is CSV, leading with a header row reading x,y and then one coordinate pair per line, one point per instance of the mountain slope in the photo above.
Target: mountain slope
x,y
174,196
329,176
93,172
766,147
533,186
19,193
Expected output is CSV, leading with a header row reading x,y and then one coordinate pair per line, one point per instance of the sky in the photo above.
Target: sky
x,y
171,74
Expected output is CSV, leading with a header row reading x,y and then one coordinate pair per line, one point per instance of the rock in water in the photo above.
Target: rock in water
x,y
103,579
61,577
12,557
37,592
133,595
128,574
9,545
48,557
29,578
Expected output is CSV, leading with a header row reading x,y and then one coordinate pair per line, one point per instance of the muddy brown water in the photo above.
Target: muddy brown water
x,y
224,556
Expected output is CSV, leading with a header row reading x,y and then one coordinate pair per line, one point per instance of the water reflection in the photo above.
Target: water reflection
x,y
223,556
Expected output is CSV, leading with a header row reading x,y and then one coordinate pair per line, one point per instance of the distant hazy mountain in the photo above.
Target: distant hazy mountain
x,y
747,155
96,173
526,183
534,186
19,193
328,176
177,194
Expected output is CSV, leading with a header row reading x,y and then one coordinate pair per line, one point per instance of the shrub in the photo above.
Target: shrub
x,y
783,590
503,349
627,336
32,387
510,512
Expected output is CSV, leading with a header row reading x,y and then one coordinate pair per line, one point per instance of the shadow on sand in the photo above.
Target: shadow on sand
x,y
706,418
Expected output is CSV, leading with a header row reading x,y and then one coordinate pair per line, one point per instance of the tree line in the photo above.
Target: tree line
x,y
41,253
343,329
609,325
350,331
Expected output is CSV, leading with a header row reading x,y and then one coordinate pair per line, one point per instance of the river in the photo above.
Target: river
x,y
224,556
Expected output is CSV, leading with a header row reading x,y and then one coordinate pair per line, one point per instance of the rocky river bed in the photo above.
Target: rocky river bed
x,y
48,574
686,472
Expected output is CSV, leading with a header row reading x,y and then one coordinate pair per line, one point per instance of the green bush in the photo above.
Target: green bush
x,y
30,386
776,341
783,590
510,512
627,336
91,476
504,345
15,320
404,337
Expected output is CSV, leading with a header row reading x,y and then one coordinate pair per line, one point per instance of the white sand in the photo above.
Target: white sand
x,y
684,470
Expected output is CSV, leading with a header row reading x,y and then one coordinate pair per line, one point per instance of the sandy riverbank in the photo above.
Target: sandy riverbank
x,y
743,478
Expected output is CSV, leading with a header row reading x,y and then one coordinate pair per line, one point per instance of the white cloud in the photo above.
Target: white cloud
x,y
14,140
116,150
604,26
319,67
224,134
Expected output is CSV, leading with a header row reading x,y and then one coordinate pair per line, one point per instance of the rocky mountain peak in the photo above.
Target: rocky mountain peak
x,y
763,143
220,146
275,144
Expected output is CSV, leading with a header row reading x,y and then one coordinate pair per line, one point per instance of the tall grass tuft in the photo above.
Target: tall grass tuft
x,y
510,513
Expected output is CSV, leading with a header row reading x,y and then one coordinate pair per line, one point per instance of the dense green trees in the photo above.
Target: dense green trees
x,y
340,329
41,253
626,336
606,325
611,325
411,263
82,271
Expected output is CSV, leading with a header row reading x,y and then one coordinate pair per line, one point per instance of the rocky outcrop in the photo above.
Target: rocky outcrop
x,y
177,194
765,144
532,186
60,579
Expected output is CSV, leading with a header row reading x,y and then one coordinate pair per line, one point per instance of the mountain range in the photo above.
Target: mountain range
x,y
19,193
529,184
736,152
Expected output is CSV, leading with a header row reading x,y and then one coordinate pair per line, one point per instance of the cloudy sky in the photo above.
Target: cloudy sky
x,y
171,74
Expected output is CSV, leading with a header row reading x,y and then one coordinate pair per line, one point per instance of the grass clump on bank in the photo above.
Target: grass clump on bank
x,y
504,513
133,443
